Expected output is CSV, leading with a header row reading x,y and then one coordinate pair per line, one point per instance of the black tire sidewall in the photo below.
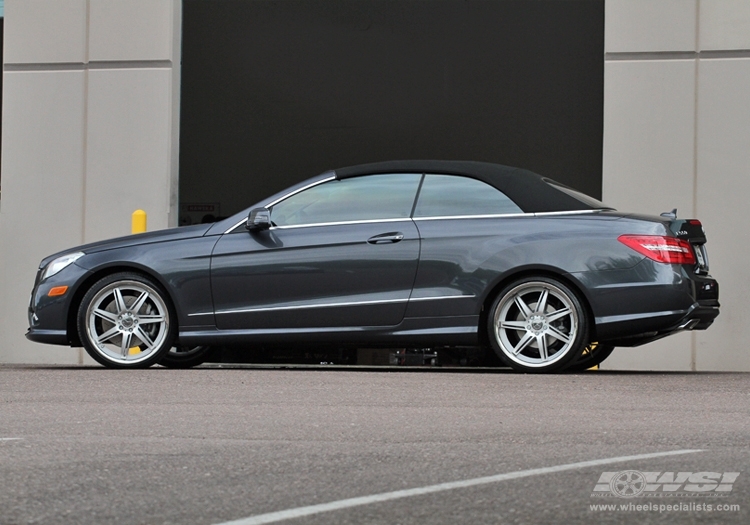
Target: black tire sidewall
x,y
584,363
86,301
576,348
188,361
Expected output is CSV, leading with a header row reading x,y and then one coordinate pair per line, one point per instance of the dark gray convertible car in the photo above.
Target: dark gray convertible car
x,y
396,254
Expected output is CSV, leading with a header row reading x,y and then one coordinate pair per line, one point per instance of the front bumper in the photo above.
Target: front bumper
x,y
50,337
48,316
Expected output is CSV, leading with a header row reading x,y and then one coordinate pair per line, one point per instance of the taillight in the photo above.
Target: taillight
x,y
669,250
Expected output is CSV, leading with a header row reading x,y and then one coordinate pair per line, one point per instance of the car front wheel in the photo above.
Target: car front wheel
x,y
125,321
537,324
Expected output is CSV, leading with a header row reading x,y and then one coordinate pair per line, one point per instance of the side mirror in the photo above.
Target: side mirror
x,y
259,219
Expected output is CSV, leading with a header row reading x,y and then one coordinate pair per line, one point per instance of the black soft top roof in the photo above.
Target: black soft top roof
x,y
527,189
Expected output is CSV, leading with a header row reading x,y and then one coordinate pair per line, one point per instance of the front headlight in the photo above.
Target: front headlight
x,y
61,263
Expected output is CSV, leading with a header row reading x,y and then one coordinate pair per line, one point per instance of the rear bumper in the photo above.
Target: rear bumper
x,y
698,317
650,301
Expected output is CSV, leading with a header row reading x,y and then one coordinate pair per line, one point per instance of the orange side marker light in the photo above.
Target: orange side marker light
x,y
57,291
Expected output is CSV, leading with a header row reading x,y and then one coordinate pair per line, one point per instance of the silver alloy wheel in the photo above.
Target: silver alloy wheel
x,y
127,321
536,324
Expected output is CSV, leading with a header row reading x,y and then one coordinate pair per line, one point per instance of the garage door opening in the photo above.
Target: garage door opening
x,y
276,91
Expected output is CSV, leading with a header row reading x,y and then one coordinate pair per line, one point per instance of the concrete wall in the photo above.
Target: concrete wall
x,y
677,134
90,131
91,93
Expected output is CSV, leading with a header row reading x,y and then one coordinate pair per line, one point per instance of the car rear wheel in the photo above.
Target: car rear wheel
x,y
537,324
125,321
593,354
186,356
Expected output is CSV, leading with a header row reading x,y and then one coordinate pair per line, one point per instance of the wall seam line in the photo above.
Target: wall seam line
x,y
614,56
693,341
173,204
84,66
84,164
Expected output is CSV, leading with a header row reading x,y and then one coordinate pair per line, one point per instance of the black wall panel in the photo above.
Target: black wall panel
x,y
275,91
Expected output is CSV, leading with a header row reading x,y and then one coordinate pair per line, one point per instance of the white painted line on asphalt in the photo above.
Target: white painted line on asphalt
x,y
273,517
9,439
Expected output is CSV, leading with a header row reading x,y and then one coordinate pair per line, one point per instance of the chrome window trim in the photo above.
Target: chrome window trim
x,y
230,230
339,223
485,216
299,190
331,305
286,196
573,212
436,218
506,215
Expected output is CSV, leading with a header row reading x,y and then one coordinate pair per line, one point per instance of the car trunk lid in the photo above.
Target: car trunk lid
x,y
691,230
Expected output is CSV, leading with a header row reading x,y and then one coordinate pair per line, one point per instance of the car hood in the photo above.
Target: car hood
x,y
170,234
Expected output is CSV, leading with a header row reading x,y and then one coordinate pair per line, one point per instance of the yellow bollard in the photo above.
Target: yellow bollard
x,y
138,224
591,348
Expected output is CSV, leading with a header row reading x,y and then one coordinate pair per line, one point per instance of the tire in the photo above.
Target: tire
x,y
186,356
537,325
125,320
593,354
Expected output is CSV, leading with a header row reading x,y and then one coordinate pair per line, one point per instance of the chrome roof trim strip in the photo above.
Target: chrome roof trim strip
x,y
303,188
298,190
486,216
339,223
574,212
230,230
506,215
438,218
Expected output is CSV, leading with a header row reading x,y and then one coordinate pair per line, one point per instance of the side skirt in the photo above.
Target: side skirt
x,y
423,331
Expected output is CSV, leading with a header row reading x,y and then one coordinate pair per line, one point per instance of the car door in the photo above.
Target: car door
x,y
343,253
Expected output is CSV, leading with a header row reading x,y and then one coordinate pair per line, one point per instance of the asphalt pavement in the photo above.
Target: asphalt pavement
x,y
88,445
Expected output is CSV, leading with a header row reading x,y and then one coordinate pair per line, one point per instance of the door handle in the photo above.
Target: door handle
x,y
383,238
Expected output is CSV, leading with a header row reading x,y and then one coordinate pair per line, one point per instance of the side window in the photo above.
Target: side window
x,y
369,197
450,195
